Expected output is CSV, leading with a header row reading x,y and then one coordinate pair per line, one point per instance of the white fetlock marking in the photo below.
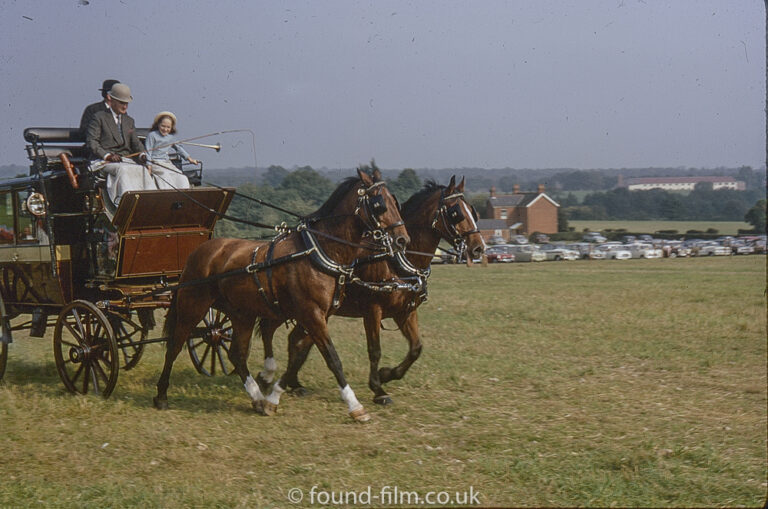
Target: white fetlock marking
x,y
274,396
348,395
252,388
270,367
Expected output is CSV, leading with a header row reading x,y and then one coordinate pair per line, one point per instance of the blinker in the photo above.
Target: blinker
x,y
454,214
378,206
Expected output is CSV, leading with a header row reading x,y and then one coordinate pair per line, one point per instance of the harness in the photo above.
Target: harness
x,y
411,279
373,206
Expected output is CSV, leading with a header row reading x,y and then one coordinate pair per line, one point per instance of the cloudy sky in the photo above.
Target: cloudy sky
x,y
419,84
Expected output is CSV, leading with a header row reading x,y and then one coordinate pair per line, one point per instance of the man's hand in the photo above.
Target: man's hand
x,y
143,158
113,158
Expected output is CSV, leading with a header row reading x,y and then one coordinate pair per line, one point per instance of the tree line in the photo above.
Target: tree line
x,y
701,204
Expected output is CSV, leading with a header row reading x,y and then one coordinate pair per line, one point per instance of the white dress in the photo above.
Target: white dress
x,y
165,174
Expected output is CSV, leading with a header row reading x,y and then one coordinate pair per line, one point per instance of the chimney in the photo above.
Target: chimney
x,y
541,188
493,191
516,188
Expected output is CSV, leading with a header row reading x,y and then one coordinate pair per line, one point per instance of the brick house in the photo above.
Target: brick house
x,y
519,213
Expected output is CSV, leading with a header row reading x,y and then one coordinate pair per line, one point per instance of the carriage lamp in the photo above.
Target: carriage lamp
x,y
36,204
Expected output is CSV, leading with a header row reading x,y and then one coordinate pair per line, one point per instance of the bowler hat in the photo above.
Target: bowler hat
x,y
121,92
106,86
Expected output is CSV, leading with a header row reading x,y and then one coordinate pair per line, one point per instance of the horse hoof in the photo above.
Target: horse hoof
x,y
360,415
299,391
264,407
383,400
160,404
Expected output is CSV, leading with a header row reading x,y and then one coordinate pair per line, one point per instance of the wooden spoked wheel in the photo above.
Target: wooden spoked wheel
x,y
3,358
85,349
209,344
5,330
128,331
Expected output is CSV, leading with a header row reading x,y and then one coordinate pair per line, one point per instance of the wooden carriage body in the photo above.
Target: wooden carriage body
x,y
77,250
95,272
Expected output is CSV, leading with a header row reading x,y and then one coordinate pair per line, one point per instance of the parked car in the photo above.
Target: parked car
x,y
541,238
674,248
645,238
628,239
557,252
615,252
739,247
500,254
593,237
587,250
527,253
518,239
643,250
712,248
495,240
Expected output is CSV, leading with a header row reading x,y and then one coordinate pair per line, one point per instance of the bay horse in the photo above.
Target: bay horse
x,y
298,276
432,213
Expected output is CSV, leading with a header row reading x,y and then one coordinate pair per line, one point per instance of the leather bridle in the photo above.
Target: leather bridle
x,y
449,216
370,206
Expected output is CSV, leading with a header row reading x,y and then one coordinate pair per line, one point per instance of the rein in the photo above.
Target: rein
x,y
378,234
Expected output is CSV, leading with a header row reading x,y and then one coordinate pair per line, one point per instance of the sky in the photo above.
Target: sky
x,y
411,84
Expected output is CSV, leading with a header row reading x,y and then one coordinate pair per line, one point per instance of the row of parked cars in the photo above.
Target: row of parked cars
x,y
598,248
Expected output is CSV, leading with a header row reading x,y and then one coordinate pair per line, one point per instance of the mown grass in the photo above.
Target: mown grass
x,y
722,227
628,383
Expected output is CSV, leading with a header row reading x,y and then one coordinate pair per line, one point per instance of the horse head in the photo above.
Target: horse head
x,y
456,220
379,210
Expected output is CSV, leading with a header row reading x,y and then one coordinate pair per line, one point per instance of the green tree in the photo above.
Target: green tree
x,y
406,183
756,216
309,185
274,176
479,201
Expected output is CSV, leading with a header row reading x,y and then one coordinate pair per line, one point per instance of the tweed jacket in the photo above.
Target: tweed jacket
x,y
103,136
88,114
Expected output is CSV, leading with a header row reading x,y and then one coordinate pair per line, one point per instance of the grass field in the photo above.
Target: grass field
x,y
603,383
723,227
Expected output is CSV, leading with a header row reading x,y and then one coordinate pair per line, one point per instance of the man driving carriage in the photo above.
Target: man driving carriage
x,y
96,107
112,141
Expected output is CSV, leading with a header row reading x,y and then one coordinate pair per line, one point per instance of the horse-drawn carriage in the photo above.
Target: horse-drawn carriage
x,y
95,273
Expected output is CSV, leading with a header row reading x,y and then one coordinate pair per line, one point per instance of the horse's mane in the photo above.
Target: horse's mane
x,y
417,199
327,208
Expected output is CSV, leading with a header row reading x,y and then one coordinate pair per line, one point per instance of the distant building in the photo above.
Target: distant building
x,y
683,183
518,213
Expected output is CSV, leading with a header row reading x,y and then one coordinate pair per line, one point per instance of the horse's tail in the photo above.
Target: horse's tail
x,y
169,328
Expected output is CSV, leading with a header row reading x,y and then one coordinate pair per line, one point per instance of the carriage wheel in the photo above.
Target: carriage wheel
x,y
3,358
209,344
127,332
85,349
5,329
